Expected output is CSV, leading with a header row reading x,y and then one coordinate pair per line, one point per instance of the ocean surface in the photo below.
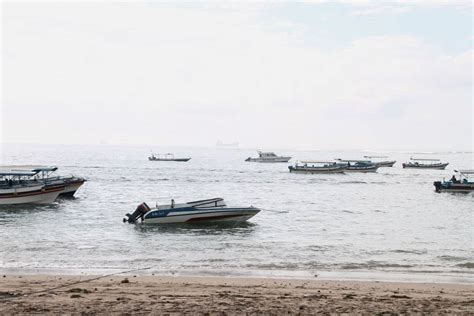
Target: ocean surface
x,y
389,225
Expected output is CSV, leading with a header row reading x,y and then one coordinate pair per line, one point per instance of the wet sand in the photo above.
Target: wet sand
x,y
48,294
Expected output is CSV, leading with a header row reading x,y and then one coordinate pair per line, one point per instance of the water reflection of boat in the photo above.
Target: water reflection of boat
x,y
211,210
167,157
420,163
378,161
16,188
313,167
268,157
456,185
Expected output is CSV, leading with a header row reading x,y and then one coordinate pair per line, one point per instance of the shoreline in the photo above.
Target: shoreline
x,y
132,293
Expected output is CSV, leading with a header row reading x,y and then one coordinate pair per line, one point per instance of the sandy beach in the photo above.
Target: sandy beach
x,y
132,294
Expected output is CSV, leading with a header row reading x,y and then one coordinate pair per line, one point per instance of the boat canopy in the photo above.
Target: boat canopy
x,y
352,160
17,173
424,159
315,161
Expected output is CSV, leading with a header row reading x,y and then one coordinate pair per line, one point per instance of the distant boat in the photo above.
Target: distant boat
x,y
357,165
17,188
314,167
380,162
456,185
268,157
167,157
423,163
203,211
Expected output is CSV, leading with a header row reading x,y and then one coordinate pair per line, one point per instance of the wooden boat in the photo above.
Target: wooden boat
x,y
167,157
357,165
315,167
202,211
268,157
423,163
456,185
380,162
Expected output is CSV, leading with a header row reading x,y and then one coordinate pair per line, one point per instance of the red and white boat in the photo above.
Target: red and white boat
x,y
15,188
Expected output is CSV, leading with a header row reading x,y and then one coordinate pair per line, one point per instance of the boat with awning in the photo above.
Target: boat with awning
x,y
268,156
315,167
168,157
381,161
356,165
425,163
16,187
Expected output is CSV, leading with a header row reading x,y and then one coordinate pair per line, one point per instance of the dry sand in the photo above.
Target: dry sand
x,y
208,295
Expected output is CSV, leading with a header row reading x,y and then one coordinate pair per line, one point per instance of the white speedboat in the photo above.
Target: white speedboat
x,y
268,157
70,184
314,167
15,188
423,163
203,211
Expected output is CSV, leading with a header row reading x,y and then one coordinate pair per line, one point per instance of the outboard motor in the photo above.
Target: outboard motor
x,y
141,210
438,186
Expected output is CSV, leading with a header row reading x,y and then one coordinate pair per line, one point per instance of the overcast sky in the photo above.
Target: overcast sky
x,y
315,75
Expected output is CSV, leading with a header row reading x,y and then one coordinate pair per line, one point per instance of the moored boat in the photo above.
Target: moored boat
x,y
314,167
456,185
16,188
379,161
423,163
167,157
268,157
357,165
202,211
70,184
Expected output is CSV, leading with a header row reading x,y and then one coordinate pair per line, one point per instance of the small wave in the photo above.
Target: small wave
x,y
379,211
469,265
353,182
374,265
347,211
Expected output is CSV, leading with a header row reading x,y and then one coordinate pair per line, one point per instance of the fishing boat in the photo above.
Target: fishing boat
x,y
456,185
17,188
379,161
313,167
70,184
167,157
423,163
268,157
357,165
203,211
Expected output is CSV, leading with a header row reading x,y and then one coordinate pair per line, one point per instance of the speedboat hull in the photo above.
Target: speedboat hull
x,y
70,185
33,195
204,215
385,163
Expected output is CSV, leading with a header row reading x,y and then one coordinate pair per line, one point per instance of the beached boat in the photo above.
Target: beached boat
x,y
456,185
357,165
211,210
423,163
268,157
167,157
16,188
70,184
314,167
379,161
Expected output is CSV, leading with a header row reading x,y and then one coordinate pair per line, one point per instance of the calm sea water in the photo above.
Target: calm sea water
x,y
386,225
